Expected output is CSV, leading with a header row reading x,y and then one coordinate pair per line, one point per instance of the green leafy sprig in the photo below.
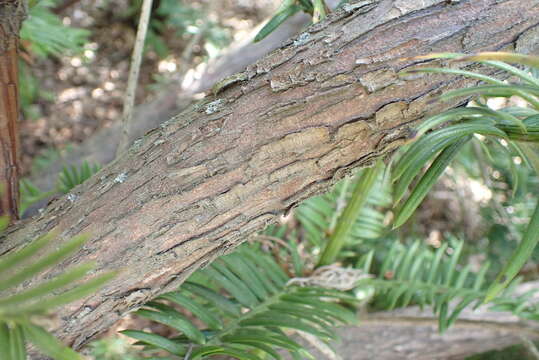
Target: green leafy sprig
x,y
246,306
317,9
518,126
21,311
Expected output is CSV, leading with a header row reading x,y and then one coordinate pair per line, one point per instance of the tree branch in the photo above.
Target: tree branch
x,y
12,13
288,127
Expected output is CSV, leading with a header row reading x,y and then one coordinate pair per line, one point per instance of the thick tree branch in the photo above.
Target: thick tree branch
x,y
294,122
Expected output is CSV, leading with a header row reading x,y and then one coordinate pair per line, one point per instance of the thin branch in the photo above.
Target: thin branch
x,y
129,101
319,345
530,347
513,328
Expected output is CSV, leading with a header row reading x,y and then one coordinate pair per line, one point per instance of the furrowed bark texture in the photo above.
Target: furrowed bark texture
x,y
325,103
12,13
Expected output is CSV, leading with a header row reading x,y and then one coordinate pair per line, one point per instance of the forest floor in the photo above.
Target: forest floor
x,y
82,93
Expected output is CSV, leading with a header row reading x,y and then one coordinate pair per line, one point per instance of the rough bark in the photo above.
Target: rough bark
x,y
12,13
302,117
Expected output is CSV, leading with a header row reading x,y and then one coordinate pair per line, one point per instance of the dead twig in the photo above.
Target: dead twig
x,y
134,69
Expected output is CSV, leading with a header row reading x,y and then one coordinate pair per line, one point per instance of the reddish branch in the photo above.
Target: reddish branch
x,y
12,13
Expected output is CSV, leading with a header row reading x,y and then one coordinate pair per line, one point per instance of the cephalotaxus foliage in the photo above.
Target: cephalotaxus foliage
x,y
352,214
43,33
404,275
417,275
184,19
70,177
518,126
319,215
247,309
317,9
22,312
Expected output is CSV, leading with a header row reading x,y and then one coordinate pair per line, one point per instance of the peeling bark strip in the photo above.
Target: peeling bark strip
x,y
325,103
12,12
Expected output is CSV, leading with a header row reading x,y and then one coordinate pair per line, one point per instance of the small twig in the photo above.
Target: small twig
x,y
271,240
530,347
332,277
319,345
504,327
129,101
189,351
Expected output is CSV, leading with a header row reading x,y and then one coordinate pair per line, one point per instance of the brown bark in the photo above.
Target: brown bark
x,y
412,333
12,12
310,112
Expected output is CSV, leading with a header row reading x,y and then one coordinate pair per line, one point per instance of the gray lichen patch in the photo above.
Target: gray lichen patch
x,y
120,178
363,61
214,106
137,144
302,39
